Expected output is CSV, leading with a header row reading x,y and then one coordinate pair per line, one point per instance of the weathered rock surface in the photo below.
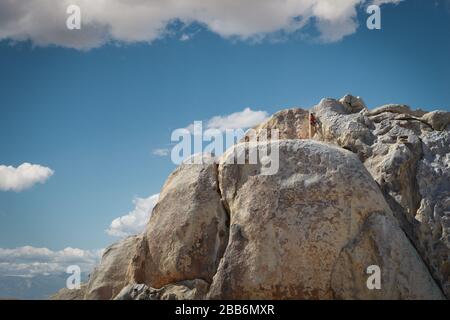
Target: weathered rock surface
x,y
403,274
288,230
438,120
353,104
111,275
408,154
188,230
399,109
290,123
184,290
351,131
374,189
70,294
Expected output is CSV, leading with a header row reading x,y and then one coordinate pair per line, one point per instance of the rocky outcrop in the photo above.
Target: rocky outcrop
x,y
290,123
351,131
370,189
382,243
438,120
291,233
70,294
353,104
407,153
398,109
188,231
184,290
111,275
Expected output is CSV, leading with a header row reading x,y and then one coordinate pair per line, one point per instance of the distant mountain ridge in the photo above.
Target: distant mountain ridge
x,y
37,287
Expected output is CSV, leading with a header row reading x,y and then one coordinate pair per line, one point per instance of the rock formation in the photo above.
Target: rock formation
x,y
371,188
407,153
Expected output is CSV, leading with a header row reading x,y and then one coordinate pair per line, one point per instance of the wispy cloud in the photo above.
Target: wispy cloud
x,y
23,177
28,260
185,37
135,221
381,2
43,21
161,152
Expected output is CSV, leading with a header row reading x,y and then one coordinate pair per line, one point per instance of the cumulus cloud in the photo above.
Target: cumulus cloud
x,y
135,221
244,119
161,152
24,176
29,261
44,21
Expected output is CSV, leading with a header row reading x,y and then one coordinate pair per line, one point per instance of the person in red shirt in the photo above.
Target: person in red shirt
x,y
312,125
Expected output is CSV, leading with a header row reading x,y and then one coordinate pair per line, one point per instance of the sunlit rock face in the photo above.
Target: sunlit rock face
x,y
364,189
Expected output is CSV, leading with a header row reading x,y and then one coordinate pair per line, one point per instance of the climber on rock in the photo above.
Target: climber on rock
x,y
312,125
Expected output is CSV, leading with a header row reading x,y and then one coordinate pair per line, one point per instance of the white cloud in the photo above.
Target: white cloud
x,y
28,261
246,118
24,176
185,37
161,152
135,221
381,2
43,21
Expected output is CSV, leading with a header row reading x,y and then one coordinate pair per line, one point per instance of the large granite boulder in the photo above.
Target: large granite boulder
x,y
111,275
184,290
291,233
70,294
407,153
370,190
290,123
188,230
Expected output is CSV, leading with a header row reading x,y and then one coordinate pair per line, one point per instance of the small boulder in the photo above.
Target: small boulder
x,y
438,120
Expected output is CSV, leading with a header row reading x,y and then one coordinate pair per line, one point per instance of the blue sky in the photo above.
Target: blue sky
x,y
94,116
